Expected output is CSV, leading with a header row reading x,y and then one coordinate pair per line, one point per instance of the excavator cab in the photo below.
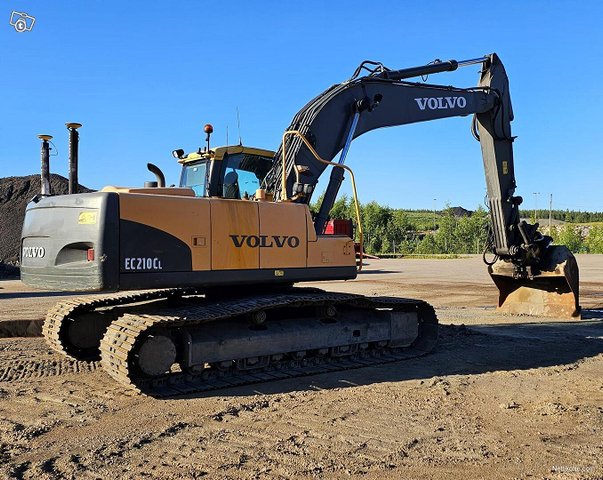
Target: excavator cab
x,y
234,172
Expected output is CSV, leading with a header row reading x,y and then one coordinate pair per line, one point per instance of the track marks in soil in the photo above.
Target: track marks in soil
x,y
27,369
302,439
15,438
235,410
133,455
31,358
123,447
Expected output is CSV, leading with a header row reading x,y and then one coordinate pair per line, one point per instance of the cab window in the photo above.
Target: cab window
x,y
243,174
194,176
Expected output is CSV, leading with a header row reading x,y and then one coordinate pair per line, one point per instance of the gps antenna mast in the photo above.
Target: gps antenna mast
x,y
208,129
239,126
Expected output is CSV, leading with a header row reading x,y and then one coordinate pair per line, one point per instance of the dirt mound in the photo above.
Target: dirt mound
x,y
15,194
461,212
8,271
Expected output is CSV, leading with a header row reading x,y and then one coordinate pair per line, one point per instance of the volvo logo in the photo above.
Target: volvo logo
x,y
441,103
265,241
33,252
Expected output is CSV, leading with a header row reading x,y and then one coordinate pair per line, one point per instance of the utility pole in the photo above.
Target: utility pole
x,y
536,206
550,213
434,214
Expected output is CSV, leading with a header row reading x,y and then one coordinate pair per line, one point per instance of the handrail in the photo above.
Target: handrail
x,y
297,133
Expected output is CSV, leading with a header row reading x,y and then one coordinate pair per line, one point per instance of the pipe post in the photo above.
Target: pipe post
x,y
45,170
74,138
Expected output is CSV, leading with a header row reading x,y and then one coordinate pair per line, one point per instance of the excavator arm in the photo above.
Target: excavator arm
x,y
532,276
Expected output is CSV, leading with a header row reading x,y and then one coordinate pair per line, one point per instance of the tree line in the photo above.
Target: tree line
x,y
578,238
570,216
391,230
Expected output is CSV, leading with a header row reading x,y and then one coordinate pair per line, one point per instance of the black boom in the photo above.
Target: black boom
x,y
382,99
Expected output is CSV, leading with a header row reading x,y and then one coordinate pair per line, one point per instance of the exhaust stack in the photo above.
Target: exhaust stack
x,y
158,175
74,137
45,172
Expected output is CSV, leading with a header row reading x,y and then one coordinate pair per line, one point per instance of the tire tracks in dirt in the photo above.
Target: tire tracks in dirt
x,y
27,369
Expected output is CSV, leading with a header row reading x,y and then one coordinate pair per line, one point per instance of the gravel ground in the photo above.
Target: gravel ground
x,y
501,397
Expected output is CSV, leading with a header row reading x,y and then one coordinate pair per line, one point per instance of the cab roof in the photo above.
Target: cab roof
x,y
219,153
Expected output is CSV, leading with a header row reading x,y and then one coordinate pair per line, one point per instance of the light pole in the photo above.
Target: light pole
x,y
536,206
550,213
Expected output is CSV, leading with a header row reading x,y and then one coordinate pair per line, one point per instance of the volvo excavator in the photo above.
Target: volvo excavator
x,y
204,273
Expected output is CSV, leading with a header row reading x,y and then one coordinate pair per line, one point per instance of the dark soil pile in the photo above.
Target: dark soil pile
x,y
8,271
461,212
15,194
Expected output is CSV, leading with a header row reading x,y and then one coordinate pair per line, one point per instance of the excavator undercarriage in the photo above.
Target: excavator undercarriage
x,y
177,341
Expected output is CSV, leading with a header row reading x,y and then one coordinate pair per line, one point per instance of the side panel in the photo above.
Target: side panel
x,y
331,251
235,226
283,235
161,233
145,250
120,241
58,233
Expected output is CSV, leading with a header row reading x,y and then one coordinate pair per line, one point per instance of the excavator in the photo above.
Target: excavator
x,y
198,280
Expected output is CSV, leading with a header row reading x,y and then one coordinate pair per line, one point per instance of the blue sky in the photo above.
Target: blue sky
x,y
144,77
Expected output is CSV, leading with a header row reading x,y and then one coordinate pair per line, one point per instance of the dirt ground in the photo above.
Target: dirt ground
x,y
501,397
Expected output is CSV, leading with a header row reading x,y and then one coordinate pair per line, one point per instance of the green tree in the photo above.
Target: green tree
x,y
403,236
570,236
457,235
428,245
445,234
594,240
343,209
471,232
377,226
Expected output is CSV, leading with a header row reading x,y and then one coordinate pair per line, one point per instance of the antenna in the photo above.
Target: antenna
x,y
227,135
209,130
239,126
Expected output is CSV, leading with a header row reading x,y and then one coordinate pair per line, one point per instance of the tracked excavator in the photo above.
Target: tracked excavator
x,y
204,272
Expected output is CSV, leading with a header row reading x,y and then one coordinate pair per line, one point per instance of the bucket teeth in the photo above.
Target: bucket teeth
x,y
553,291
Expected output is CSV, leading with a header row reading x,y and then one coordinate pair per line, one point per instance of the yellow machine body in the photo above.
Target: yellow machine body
x,y
238,234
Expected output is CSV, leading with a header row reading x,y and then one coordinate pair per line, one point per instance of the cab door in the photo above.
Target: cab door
x,y
283,235
235,241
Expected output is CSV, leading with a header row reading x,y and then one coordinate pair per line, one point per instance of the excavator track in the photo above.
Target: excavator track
x,y
120,345
62,314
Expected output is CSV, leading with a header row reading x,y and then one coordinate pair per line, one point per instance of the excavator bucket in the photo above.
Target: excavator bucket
x,y
551,293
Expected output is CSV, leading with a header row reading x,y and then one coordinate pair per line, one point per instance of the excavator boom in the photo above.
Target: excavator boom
x,y
384,98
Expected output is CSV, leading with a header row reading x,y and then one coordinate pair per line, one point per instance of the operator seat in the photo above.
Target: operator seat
x,y
231,186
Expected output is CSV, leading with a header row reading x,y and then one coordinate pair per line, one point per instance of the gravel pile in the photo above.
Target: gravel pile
x,y
15,194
